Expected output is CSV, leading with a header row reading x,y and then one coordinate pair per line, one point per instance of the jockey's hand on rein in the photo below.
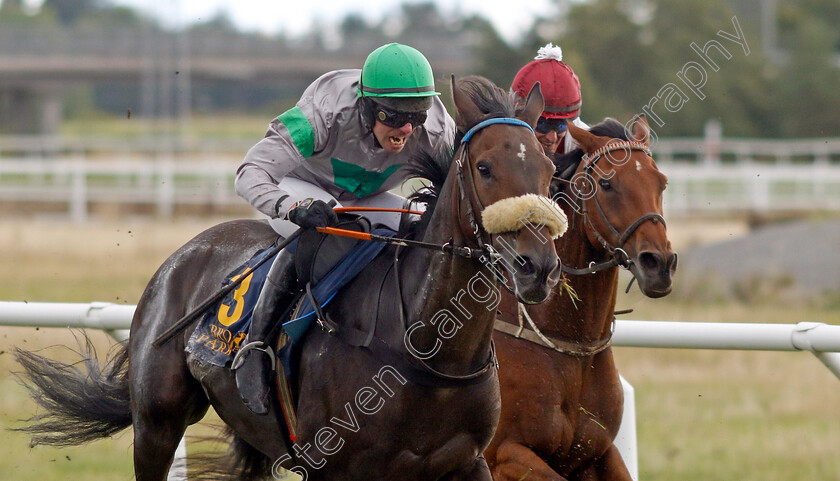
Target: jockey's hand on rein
x,y
311,213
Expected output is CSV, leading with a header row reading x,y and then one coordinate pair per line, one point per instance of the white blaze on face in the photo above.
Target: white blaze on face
x,y
521,153
638,166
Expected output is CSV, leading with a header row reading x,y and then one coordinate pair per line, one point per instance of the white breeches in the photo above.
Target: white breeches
x,y
299,190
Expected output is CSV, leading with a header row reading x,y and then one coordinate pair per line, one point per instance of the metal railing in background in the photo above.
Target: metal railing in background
x,y
729,176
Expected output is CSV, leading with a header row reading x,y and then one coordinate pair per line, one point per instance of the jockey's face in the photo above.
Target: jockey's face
x,y
392,139
550,133
551,141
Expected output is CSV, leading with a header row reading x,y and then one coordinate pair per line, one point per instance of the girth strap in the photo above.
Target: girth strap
x,y
425,376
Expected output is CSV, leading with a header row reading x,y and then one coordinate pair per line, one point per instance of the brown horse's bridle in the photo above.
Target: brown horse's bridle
x,y
618,256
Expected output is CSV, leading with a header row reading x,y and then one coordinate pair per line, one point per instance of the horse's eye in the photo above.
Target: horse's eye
x,y
484,170
605,184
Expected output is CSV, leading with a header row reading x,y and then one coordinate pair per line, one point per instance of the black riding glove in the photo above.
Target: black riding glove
x,y
310,213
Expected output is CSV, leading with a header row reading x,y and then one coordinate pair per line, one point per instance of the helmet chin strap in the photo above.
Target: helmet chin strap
x,y
366,111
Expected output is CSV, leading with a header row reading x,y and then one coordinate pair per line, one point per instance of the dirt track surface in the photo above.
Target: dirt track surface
x,y
802,256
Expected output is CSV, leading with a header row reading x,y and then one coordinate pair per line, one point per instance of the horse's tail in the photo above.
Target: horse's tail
x,y
81,404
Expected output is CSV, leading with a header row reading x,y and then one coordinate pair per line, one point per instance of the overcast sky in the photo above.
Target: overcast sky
x,y
510,17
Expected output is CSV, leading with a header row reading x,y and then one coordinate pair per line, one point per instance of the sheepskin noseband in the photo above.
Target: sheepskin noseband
x,y
511,215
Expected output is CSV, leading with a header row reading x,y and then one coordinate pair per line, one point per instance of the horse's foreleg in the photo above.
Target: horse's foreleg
x,y
515,462
609,467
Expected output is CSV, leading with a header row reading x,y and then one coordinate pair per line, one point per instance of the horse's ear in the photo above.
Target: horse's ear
x,y
534,106
467,112
587,141
640,130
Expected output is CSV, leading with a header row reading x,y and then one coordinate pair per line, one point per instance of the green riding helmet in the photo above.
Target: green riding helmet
x,y
398,77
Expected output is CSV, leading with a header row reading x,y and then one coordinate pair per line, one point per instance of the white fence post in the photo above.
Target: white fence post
x,y
78,193
178,470
626,440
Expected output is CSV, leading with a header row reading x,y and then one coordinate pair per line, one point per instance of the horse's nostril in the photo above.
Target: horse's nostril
x,y
525,265
672,262
649,261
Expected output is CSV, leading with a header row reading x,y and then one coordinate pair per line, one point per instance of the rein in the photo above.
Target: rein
x,y
488,253
485,253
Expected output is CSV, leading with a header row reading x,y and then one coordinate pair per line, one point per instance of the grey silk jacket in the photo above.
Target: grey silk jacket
x,y
323,141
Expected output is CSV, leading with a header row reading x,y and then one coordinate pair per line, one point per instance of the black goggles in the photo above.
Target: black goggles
x,y
396,119
545,126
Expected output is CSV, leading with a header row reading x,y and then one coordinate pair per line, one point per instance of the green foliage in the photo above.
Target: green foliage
x,y
624,51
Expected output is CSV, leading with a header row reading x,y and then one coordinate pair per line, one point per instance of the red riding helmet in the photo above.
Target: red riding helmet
x,y
558,82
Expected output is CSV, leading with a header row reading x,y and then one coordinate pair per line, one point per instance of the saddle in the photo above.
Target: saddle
x,y
220,332
316,253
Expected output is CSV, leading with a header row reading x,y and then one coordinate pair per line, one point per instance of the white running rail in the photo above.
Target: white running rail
x,y
823,340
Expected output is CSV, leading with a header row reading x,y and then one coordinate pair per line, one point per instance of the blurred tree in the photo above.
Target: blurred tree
x,y
618,61
422,18
808,101
114,18
357,34
219,23
354,25
11,5
494,58
737,93
626,51
14,13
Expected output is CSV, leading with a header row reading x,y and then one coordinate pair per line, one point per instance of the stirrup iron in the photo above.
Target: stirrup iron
x,y
239,359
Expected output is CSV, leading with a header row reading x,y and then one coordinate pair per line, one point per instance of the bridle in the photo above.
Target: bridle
x,y
618,256
487,254
471,196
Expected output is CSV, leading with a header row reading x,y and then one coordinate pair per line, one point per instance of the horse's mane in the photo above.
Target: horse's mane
x,y
490,99
609,127
493,102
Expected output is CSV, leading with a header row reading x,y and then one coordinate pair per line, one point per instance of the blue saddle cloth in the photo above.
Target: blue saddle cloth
x,y
221,331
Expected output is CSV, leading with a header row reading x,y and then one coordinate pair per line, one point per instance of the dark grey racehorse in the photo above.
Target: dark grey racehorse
x,y
420,403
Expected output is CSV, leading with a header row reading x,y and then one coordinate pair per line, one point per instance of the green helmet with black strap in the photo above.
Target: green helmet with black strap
x,y
398,77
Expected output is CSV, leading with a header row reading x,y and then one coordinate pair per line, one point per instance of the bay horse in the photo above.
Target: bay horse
x,y
562,399
420,402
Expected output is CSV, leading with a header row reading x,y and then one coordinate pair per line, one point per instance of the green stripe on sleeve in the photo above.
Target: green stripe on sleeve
x,y
300,129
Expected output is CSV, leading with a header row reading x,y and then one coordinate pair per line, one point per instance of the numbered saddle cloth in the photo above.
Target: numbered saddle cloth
x,y
218,335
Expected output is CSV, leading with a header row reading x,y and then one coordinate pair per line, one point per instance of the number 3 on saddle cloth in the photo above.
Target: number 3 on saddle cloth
x,y
324,263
